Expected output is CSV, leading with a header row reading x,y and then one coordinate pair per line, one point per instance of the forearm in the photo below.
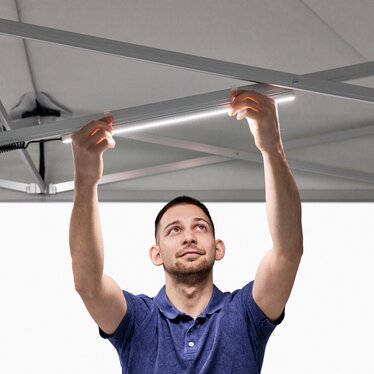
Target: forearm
x,y
86,241
283,205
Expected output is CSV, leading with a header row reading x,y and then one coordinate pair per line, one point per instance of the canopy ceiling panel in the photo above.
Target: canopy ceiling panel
x,y
328,138
351,20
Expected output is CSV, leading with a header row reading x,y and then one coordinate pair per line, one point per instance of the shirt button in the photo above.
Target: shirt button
x,y
192,329
191,344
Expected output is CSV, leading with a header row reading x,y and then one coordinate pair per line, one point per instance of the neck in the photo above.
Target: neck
x,y
189,295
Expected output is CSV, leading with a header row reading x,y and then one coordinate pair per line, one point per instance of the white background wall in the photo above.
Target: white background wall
x,y
45,328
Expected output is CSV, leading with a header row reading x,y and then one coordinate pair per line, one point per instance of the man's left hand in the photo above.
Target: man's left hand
x,y
262,116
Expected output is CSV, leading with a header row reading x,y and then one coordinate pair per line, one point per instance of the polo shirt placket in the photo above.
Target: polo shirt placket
x,y
192,333
190,342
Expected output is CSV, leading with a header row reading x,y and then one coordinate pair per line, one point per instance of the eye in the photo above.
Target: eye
x,y
200,228
174,229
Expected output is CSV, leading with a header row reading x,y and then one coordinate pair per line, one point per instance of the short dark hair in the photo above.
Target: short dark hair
x,y
183,200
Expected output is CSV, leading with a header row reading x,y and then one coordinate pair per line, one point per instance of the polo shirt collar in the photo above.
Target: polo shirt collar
x,y
171,312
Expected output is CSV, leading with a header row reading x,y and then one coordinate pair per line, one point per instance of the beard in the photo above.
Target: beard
x,y
190,273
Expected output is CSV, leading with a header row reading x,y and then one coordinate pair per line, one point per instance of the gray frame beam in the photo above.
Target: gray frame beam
x,y
22,131
331,137
135,115
221,154
187,61
145,172
236,154
14,186
345,73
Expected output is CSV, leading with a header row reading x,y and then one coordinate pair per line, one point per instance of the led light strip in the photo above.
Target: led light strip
x,y
123,127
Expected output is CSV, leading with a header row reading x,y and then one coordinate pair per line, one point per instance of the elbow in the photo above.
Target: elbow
x,y
85,290
291,253
86,282
78,287
297,247
299,254
297,250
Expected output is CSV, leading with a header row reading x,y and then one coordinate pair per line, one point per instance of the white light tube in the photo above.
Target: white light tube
x,y
145,125
285,98
123,127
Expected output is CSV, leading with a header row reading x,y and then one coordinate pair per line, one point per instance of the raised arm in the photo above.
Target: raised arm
x,y
102,296
277,271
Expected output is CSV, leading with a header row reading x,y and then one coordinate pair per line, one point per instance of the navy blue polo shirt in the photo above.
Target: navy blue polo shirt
x,y
229,336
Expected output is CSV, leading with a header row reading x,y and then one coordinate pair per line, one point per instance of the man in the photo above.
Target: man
x,y
190,326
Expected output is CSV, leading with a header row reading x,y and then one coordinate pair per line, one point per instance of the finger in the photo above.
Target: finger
x,y
83,135
243,101
105,144
235,92
249,114
255,96
241,114
107,119
97,137
244,105
101,144
92,129
105,123
252,95
101,130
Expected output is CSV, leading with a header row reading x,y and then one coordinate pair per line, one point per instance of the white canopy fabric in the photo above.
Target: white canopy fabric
x,y
322,47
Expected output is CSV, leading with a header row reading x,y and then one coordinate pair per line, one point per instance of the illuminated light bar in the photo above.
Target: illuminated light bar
x,y
170,121
66,139
121,127
285,98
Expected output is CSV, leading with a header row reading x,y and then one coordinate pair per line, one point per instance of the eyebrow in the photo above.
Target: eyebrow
x,y
196,219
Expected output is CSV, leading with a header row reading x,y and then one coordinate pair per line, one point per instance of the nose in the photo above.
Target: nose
x,y
189,237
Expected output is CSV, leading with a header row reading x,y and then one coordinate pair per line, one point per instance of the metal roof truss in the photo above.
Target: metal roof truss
x,y
270,82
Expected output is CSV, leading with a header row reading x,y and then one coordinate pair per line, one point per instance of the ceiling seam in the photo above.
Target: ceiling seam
x,y
27,52
334,31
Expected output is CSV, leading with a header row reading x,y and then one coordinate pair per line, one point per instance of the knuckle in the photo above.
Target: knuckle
x,y
101,132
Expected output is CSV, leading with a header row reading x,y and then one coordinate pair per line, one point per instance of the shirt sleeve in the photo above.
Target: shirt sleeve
x,y
259,324
138,308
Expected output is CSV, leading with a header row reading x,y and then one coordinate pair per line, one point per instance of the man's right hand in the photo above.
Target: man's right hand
x,y
89,144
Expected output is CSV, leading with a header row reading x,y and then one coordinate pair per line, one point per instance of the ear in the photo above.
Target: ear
x,y
220,249
155,255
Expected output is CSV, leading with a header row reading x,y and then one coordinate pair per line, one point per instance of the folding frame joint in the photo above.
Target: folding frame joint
x,y
33,189
52,189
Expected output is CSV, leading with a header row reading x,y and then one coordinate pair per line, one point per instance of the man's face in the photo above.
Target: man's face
x,y
185,241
